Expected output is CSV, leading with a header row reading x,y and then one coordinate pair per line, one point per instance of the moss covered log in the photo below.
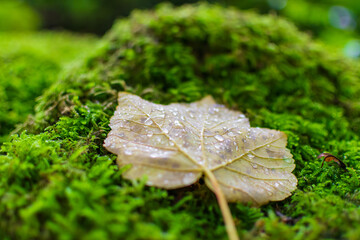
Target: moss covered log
x,y
58,182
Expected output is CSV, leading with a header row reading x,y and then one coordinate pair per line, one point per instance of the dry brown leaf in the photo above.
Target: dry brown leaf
x,y
174,145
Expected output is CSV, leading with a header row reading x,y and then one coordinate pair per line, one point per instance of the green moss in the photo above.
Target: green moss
x,y
29,63
59,47
22,77
59,182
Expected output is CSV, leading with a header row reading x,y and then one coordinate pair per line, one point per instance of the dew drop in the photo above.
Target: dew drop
x,y
219,138
161,115
166,131
231,134
177,124
149,134
276,184
250,156
255,165
154,155
127,152
148,122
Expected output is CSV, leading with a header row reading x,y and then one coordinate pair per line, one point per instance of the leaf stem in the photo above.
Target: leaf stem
x,y
224,207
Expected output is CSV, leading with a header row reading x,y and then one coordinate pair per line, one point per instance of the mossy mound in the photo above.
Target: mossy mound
x,y
29,63
60,183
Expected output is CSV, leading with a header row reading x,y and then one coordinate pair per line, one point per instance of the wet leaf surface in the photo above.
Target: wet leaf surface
x,y
174,145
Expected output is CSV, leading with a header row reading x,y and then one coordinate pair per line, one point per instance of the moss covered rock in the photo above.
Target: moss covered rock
x,y
60,183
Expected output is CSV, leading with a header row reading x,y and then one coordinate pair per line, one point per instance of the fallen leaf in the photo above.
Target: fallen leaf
x,y
174,145
328,158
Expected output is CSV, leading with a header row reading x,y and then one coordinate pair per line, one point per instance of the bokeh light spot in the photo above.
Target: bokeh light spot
x,y
341,18
352,49
277,4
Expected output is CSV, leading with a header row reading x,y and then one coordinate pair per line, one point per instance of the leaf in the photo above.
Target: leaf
x,y
174,145
328,158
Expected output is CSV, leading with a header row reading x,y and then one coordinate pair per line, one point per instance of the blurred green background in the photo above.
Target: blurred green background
x,y
48,35
334,22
